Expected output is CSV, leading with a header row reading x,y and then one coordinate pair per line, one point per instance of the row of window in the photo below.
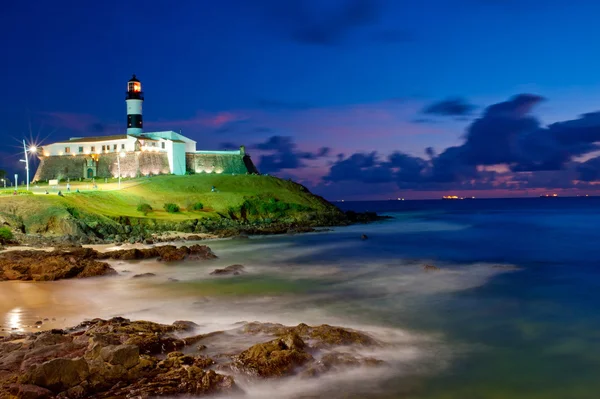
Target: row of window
x,y
107,148
93,148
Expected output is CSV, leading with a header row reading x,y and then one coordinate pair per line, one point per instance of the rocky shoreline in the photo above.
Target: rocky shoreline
x,y
126,230
79,262
119,358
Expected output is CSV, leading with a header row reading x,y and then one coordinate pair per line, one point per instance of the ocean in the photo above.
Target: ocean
x,y
512,311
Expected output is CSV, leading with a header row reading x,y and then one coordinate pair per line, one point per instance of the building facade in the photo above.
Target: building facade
x,y
139,153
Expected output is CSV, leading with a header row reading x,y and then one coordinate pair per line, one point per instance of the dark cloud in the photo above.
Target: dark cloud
x,y
506,134
282,105
312,22
450,107
284,154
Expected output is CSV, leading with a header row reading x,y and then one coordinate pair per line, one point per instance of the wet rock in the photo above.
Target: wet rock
x,y
233,270
58,375
364,237
194,237
276,358
148,241
320,336
174,280
50,266
143,275
127,356
26,391
431,268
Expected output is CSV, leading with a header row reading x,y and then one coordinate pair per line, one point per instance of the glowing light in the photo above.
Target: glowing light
x,y
60,153
14,318
33,149
137,87
450,197
219,171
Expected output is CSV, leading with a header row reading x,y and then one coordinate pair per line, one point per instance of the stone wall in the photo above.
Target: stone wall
x,y
60,167
219,163
139,164
73,167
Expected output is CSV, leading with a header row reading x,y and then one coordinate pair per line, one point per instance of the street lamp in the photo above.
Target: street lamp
x,y
4,181
121,155
33,150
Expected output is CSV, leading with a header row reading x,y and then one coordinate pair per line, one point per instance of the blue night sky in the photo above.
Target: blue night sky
x,y
356,99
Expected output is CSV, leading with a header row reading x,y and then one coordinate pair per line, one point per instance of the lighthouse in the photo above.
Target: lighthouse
x,y
134,100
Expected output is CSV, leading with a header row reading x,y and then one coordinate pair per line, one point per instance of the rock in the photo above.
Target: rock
x,y
143,275
58,375
148,241
38,323
120,358
276,358
364,237
194,237
50,266
174,280
26,391
127,356
232,270
431,268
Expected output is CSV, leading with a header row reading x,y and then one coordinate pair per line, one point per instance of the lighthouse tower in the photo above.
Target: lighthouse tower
x,y
134,100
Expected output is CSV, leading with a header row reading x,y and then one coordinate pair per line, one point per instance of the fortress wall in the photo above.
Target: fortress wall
x,y
139,164
219,163
73,167
60,167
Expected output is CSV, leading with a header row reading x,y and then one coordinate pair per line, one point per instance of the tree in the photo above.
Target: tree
x,y
2,174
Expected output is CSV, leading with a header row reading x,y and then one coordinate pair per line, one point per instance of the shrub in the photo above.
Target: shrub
x,y
144,208
5,235
171,208
198,206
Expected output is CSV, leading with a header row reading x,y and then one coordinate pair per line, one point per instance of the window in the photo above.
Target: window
x,y
103,148
93,148
114,147
163,145
122,146
80,150
67,150
153,144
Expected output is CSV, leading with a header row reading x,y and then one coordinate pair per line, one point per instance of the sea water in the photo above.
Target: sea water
x,y
512,311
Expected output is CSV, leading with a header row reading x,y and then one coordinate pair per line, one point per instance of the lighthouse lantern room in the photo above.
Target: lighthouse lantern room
x,y
134,99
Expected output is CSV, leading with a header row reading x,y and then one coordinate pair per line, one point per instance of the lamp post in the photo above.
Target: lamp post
x,y
4,181
121,155
32,149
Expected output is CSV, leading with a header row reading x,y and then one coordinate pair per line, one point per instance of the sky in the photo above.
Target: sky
x,y
356,99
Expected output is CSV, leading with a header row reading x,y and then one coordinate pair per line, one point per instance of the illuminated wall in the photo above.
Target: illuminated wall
x,y
219,163
74,167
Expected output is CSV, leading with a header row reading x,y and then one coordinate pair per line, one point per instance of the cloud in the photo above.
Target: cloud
x,y
282,153
450,107
507,148
312,22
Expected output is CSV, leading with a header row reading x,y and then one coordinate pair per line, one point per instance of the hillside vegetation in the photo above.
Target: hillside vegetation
x,y
237,200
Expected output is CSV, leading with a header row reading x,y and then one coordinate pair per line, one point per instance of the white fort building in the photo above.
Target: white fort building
x,y
141,153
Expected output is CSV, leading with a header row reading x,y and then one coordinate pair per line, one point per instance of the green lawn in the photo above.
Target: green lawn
x,y
185,191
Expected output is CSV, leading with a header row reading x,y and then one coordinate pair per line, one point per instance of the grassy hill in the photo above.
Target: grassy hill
x,y
238,200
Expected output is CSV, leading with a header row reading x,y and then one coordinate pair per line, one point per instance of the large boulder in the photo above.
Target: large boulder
x,y
276,358
50,266
58,375
233,270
